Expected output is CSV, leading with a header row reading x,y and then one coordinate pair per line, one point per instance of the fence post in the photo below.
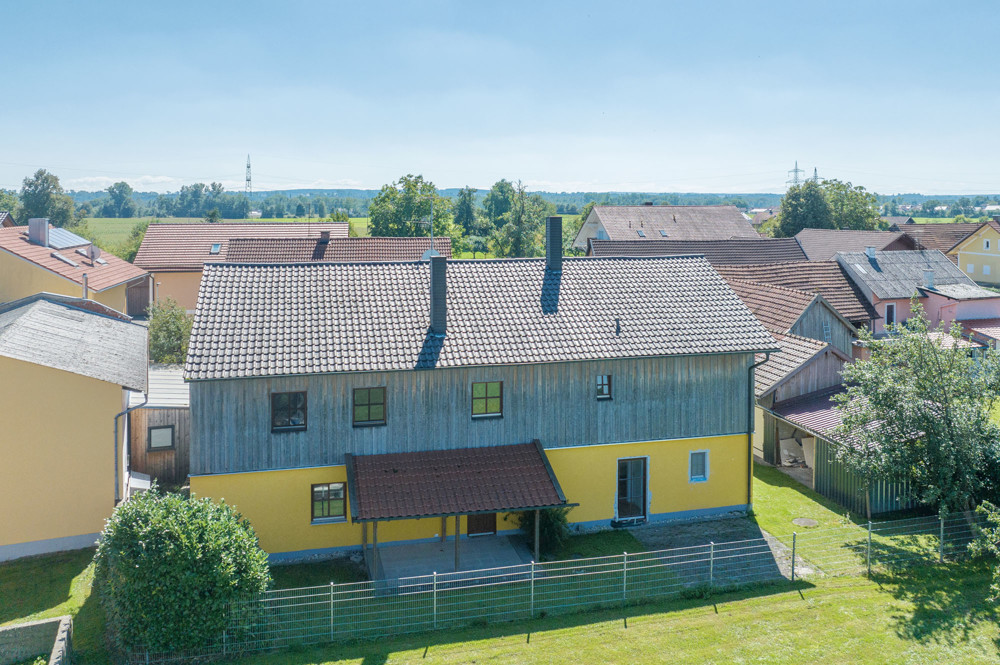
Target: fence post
x,y
624,578
331,611
711,564
794,538
531,608
869,553
941,539
435,599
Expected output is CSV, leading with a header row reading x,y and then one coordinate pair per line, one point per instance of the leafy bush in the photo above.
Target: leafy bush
x,y
167,568
553,528
169,332
987,543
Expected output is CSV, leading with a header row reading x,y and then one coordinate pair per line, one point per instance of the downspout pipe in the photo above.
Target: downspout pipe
x,y
145,400
752,399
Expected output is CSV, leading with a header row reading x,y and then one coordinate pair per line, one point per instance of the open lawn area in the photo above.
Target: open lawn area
x,y
110,231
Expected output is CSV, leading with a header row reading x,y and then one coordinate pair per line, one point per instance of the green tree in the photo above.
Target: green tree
x,y
213,216
804,206
520,230
167,569
169,332
585,212
128,248
339,216
120,202
300,210
465,210
987,543
919,410
9,203
397,208
43,196
852,206
498,202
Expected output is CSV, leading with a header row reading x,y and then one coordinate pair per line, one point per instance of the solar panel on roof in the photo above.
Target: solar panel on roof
x,y
63,239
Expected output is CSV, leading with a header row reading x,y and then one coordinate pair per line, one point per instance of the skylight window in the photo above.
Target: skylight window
x,y
642,234
663,233
216,247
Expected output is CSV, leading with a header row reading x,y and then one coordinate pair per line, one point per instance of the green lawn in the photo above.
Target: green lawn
x,y
935,615
777,500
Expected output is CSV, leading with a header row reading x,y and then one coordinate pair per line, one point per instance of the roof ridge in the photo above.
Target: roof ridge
x,y
751,282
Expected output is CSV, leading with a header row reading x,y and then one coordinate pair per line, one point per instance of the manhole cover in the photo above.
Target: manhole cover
x,y
805,521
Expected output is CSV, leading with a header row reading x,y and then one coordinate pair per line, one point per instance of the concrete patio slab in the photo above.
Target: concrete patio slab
x,y
474,554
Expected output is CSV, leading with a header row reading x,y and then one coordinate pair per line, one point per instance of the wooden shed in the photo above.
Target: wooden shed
x,y
160,430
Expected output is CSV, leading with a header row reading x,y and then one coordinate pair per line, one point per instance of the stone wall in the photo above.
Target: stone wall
x,y
37,638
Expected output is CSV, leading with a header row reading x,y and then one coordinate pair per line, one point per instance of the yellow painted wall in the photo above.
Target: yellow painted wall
x,y
758,431
20,279
278,503
181,286
56,456
973,251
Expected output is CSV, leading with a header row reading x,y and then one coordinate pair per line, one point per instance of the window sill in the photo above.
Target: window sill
x,y
372,424
286,430
329,520
486,416
162,449
604,398
698,480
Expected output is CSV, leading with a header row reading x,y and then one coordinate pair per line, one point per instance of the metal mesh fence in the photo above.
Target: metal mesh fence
x,y
384,608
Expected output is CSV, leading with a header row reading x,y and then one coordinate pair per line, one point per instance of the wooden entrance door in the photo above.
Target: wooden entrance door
x,y
481,525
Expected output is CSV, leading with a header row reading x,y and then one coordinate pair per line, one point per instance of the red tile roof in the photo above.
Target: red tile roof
x,y
718,252
777,307
677,222
100,276
451,482
343,250
6,220
938,236
187,247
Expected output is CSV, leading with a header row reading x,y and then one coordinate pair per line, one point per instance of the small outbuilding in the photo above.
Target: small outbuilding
x,y
160,427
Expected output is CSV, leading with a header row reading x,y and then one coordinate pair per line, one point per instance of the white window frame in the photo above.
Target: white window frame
x,y
986,269
691,476
890,307
970,268
986,243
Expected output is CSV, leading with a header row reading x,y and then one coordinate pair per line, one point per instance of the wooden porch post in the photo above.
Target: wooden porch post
x,y
537,515
458,534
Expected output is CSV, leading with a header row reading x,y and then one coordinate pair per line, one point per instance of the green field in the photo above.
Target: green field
x,y
110,231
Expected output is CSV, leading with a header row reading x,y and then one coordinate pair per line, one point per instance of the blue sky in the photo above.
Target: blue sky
x,y
661,96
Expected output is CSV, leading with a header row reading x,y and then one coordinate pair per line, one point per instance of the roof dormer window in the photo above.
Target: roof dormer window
x,y
642,234
663,233
216,247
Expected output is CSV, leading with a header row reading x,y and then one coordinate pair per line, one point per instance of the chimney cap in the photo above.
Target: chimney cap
x,y
870,252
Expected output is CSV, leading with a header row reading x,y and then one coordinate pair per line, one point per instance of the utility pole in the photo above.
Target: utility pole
x,y
795,179
249,186
815,175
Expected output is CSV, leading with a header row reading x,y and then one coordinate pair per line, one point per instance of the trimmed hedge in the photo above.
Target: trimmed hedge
x,y
167,568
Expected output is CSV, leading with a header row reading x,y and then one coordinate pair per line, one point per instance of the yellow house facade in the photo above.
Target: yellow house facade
x,y
65,365
979,254
342,405
57,261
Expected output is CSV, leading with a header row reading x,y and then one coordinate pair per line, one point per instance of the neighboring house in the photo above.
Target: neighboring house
x,y
67,366
664,222
325,248
338,404
761,216
6,221
797,312
942,237
718,252
823,244
39,258
176,253
824,277
890,279
978,254
895,222
160,427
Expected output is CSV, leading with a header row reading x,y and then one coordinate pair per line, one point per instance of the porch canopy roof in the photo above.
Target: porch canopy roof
x,y
463,481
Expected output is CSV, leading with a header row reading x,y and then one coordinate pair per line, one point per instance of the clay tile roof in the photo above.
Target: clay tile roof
x,y
6,220
824,277
100,276
678,222
187,247
777,307
823,244
305,250
451,482
795,352
287,319
939,236
718,252
74,335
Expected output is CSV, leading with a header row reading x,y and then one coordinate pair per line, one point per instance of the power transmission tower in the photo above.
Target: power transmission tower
x,y
795,180
249,189
815,176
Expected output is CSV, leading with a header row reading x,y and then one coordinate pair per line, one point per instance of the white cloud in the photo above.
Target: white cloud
x,y
143,183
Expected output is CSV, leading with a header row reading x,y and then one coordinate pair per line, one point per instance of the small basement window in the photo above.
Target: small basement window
x,y
328,504
604,386
160,437
288,412
698,466
216,247
642,234
487,399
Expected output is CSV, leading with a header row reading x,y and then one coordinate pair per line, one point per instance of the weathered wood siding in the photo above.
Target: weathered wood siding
x,y
834,481
653,398
169,467
811,325
821,373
